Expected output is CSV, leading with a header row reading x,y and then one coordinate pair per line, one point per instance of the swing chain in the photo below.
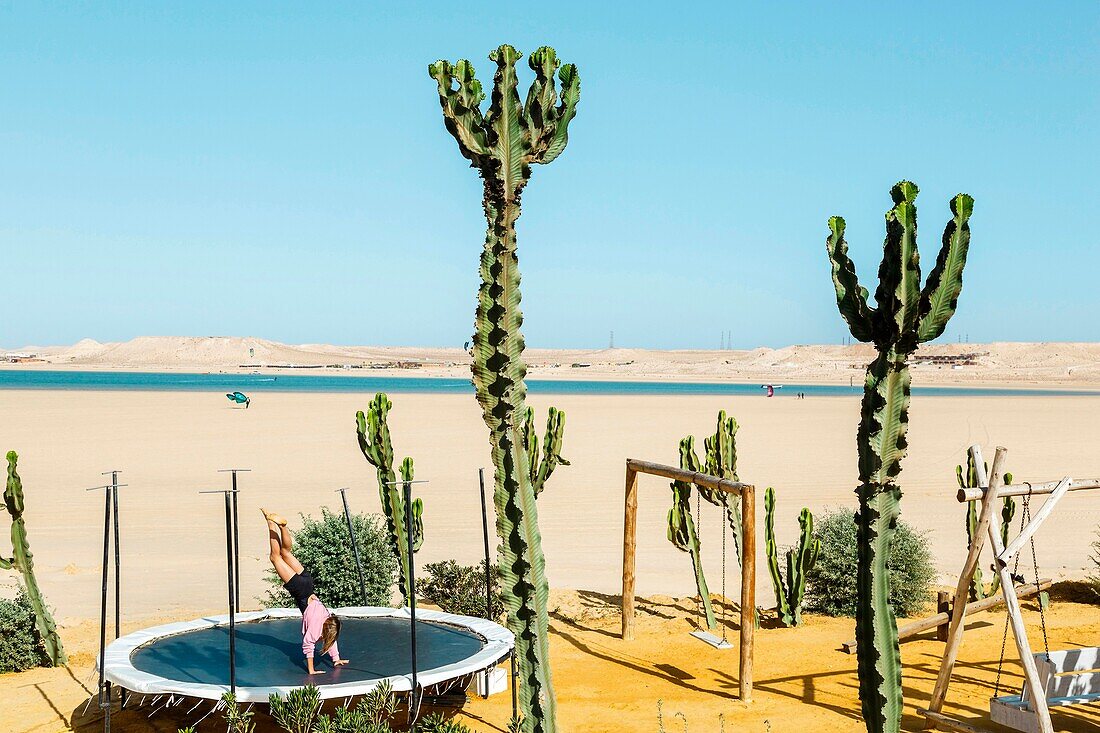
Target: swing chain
x,y
725,600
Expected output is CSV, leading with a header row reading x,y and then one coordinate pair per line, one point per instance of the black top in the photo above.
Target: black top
x,y
300,588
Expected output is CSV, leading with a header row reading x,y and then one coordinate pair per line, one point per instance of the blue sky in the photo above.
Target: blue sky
x,y
282,170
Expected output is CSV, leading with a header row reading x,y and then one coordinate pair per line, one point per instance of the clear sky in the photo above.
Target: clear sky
x,y
281,169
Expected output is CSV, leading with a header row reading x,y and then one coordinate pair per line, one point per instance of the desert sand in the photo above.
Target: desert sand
x,y
1030,364
301,447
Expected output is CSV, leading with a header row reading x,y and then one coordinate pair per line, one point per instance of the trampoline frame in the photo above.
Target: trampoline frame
x,y
118,666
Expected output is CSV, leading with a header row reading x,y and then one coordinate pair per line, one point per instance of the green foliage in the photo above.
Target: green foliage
x,y
236,719
297,712
969,480
906,315
20,646
373,431
831,584
681,527
436,723
22,560
374,714
721,461
790,590
503,144
323,548
461,588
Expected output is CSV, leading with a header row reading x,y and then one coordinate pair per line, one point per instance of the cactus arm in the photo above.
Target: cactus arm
x,y
782,605
551,449
461,106
940,296
808,550
851,297
898,293
507,139
417,508
554,121
373,433
23,560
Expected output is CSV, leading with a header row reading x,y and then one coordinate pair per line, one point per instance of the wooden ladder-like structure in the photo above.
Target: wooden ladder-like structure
x,y
1055,679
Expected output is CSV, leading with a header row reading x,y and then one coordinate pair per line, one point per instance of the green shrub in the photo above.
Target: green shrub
x,y
322,547
460,588
20,647
831,584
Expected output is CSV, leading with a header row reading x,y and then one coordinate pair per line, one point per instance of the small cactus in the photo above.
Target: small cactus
x,y
373,432
968,479
541,468
23,561
721,451
790,591
906,315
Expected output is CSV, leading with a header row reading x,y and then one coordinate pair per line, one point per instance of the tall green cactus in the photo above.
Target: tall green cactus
x,y
969,480
681,527
502,145
906,316
374,440
790,591
23,561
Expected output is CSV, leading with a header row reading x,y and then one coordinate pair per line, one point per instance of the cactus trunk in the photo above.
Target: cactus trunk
x,y
906,315
23,560
502,145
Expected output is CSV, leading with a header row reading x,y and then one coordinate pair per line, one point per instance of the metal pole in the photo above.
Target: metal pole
x,y
407,487
236,548
485,533
515,693
232,604
104,685
354,545
118,575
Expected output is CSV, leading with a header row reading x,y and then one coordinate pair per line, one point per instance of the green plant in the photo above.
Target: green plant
x,y
322,547
297,712
373,431
681,527
461,588
20,646
831,585
969,480
906,316
789,591
23,561
373,714
236,719
436,723
503,145
721,461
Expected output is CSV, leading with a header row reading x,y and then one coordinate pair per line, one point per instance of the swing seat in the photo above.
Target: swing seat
x,y
715,641
1069,678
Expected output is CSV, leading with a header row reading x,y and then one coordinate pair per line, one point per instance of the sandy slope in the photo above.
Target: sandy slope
x,y
1020,363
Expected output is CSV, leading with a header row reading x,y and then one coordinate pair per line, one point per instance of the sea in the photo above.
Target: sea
x,y
28,379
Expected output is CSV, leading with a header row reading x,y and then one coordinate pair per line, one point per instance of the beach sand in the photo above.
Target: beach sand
x,y
301,447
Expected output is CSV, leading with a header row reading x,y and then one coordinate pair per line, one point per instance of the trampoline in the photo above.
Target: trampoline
x,y
191,659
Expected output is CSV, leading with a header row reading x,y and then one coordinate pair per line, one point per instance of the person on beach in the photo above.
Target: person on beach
x,y
318,623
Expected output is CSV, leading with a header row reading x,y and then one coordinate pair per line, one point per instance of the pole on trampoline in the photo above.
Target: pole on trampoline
x,y
236,534
118,576
354,544
229,516
485,534
407,488
104,685
515,697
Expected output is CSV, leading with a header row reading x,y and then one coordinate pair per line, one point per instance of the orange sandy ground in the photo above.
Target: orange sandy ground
x,y
803,682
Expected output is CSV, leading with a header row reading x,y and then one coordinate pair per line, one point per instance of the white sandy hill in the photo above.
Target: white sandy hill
x,y
1021,363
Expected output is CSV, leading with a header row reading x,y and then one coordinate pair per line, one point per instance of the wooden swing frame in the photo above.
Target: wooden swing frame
x,y
746,493
1033,712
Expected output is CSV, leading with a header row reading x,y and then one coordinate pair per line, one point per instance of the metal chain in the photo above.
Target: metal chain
x,y
725,600
1042,611
1024,516
700,611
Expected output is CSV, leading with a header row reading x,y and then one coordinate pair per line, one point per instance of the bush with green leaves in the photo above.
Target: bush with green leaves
x,y
20,646
460,588
299,712
322,547
831,584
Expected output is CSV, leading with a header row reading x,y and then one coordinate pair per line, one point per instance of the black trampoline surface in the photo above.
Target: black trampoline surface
x,y
269,652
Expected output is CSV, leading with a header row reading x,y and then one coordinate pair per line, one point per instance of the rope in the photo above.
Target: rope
x,y
700,609
725,600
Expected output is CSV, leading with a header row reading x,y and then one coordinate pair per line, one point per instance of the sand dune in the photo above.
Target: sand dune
x,y
1042,364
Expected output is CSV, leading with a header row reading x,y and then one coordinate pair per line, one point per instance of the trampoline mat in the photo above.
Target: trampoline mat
x,y
269,653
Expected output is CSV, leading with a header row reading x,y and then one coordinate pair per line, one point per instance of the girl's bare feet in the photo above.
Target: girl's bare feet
x,y
273,518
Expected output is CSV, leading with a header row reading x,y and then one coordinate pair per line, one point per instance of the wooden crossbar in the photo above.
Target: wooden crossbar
x,y
1041,489
747,495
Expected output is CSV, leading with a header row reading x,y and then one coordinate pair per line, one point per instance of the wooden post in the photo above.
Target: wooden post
x,y
958,610
943,605
748,590
630,531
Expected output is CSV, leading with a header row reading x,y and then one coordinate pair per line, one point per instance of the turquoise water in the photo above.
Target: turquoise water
x,y
367,384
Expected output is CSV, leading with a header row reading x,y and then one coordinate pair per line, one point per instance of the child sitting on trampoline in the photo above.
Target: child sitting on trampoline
x,y
318,623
